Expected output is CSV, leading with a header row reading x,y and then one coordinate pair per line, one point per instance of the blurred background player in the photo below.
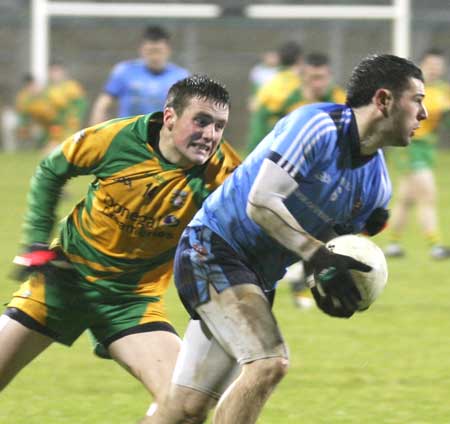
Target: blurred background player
x,y
261,73
69,98
279,95
417,186
49,114
40,115
30,110
317,81
141,85
71,94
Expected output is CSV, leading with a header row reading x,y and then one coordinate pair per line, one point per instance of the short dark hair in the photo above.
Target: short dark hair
x,y
200,86
155,33
380,71
317,59
289,53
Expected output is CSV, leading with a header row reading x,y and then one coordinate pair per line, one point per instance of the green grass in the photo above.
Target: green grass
x,y
390,364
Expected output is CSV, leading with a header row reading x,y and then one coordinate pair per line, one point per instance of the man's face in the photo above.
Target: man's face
x,y
406,113
155,54
56,73
316,79
196,133
433,67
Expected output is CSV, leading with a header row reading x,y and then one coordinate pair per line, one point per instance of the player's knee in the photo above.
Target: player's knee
x,y
195,413
191,412
270,371
187,406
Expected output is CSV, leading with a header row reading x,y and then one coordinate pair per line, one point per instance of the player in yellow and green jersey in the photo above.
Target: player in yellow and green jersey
x,y
27,130
417,185
262,73
69,97
37,114
111,262
273,100
287,91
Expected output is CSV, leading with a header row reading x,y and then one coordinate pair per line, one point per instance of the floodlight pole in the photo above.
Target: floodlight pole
x,y
402,27
39,42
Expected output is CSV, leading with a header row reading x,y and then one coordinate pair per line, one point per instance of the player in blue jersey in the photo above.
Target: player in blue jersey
x,y
140,86
318,173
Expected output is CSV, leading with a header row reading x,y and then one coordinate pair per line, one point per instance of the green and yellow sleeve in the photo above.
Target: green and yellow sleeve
x,y
80,154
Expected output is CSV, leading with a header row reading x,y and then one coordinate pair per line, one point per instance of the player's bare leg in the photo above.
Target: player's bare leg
x,y
405,200
248,314
426,200
245,398
150,357
240,322
427,212
418,188
19,346
184,406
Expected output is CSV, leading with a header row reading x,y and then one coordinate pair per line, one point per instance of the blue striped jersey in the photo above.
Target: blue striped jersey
x,y
319,146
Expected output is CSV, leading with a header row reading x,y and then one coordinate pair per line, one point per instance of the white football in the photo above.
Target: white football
x,y
370,284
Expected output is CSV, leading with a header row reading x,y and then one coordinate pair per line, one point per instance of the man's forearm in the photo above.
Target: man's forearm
x,y
266,207
43,197
100,109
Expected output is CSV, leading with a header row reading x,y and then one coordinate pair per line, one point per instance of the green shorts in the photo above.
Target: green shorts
x,y
61,304
418,156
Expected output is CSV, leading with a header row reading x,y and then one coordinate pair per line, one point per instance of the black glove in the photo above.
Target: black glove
x,y
36,257
337,295
330,305
376,222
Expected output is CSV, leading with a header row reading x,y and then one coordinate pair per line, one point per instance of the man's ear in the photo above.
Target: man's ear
x,y
169,117
383,99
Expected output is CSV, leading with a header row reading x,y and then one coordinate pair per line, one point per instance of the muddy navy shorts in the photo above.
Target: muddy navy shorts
x,y
204,258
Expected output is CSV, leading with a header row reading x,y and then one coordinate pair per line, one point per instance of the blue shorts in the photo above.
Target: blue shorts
x,y
203,258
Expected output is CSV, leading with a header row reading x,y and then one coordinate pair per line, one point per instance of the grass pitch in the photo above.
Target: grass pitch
x,y
389,365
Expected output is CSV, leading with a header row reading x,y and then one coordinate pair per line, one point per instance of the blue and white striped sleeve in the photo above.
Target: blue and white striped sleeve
x,y
301,140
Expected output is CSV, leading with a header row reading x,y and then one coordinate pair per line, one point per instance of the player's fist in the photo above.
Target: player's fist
x,y
36,257
326,303
332,273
